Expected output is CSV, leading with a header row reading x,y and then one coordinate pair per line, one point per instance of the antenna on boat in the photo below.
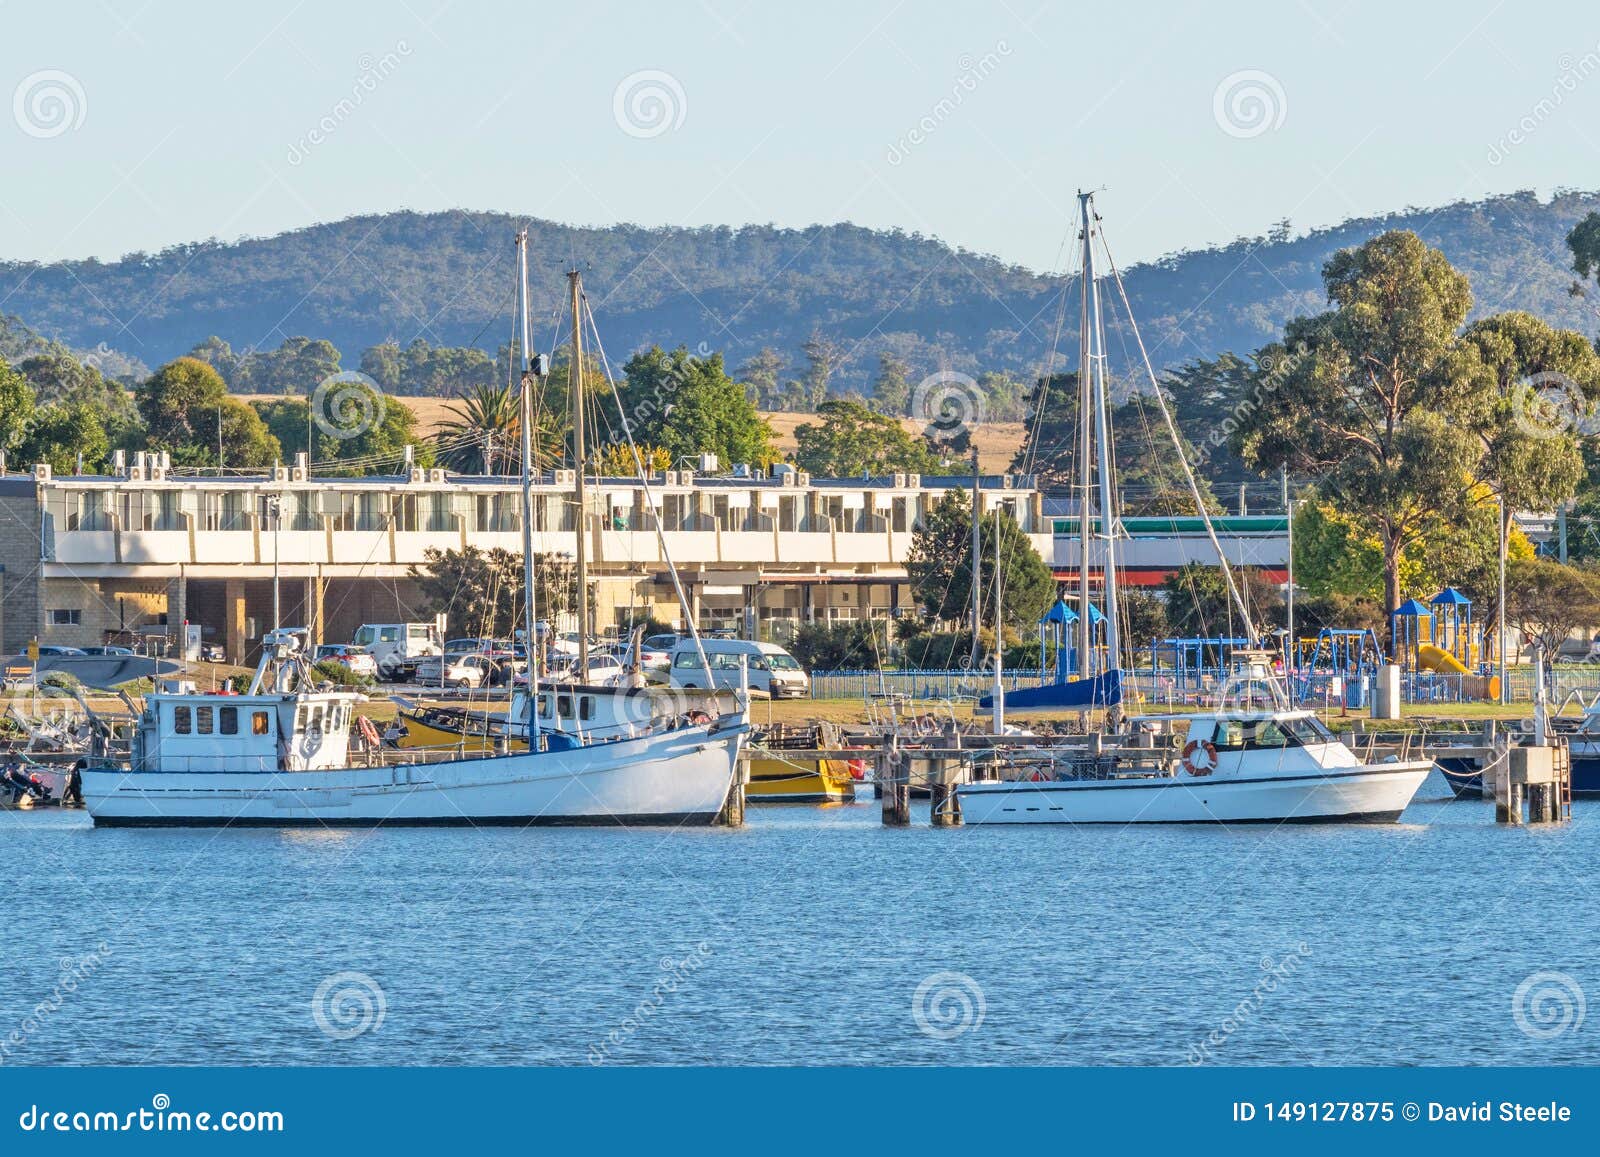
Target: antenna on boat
x,y
533,367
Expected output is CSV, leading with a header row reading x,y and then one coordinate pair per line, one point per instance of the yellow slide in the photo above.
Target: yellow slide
x,y
1431,658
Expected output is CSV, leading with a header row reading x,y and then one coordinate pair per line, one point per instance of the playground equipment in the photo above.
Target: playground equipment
x,y
1057,628
1194,660
1339,665
1438,648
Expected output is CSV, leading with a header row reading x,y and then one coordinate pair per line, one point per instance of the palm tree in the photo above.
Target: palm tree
x,y
483,434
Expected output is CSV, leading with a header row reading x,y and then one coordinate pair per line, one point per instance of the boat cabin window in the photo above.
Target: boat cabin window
x,y
202,720
182,720
563,705
260,723
1269,734
228,720
585,706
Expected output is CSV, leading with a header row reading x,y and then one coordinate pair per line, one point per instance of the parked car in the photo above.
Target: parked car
x,y
459,671
104,651
358,659
605,670
662,642
772,669
52,650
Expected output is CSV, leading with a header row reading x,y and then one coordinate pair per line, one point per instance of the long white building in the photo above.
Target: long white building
x,y
86,560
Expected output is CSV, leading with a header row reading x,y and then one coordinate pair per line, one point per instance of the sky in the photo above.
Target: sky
x,y
139,125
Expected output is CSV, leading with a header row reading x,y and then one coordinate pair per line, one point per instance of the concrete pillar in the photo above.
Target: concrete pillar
x,y
177,612
233,616
317,614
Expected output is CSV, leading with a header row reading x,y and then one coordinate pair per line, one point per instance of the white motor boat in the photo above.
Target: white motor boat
x,y
1235,766
279,756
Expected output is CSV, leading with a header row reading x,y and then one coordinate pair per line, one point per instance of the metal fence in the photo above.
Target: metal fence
x,y
1579,683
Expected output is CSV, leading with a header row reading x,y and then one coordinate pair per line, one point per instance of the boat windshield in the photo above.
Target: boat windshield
x,y
1269,734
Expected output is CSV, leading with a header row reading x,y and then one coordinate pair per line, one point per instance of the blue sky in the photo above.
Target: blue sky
x,y
134,126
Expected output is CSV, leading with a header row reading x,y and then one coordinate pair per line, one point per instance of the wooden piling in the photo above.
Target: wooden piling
x,y
894,772
732,813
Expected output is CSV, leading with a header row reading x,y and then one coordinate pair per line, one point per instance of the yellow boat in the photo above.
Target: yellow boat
x,y
457,729
789,775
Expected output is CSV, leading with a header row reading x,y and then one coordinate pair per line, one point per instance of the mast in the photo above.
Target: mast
x,y
1085,409
579,453
999,637
977,557
1108,521
525,421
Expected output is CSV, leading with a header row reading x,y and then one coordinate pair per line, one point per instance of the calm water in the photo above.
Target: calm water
x,y
803,939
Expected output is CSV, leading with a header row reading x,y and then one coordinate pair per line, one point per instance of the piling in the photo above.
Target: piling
x,y
732,813
894,774
1539,777
943,774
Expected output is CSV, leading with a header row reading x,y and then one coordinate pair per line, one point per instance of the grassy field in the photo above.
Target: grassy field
x,y
997,442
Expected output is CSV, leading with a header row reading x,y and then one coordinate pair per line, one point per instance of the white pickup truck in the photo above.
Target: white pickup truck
x,y
398,647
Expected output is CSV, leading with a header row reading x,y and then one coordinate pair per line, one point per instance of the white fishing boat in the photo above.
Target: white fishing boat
x,y
280,755
1250,760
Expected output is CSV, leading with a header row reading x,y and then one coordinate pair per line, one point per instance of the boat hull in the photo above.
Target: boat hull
x,y
674,777
1377,793
798,779
1466,780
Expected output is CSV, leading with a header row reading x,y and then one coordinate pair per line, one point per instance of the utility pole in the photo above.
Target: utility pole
x,y
1500,630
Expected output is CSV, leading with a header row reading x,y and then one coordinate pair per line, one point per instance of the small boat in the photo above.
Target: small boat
x,y
1235,766
789,771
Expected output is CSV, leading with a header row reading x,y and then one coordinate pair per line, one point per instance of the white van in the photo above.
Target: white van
x,y
398,647
772,669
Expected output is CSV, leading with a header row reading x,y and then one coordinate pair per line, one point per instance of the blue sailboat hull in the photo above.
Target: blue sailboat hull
x,y
1103,690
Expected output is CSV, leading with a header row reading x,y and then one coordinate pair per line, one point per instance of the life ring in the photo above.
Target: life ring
x,y
1205,766
857,768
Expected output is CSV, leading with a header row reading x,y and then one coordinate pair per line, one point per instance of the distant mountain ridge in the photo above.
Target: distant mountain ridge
x,y
447,277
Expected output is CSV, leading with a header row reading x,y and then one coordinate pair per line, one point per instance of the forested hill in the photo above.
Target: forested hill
x,y
446,277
